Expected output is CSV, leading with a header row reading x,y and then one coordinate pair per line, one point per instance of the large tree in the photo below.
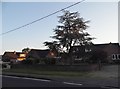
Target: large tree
x,y
71,31
53,46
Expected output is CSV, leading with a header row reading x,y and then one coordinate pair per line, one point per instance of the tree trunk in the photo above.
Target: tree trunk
x,y
70,54
99,64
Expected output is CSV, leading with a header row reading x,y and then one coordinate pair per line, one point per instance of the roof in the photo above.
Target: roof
x,y
96,46
100,45
39,53
106,44
12,55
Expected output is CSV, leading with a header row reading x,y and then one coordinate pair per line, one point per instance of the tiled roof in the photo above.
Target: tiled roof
x,y
116,44
100,45
12,55
40,53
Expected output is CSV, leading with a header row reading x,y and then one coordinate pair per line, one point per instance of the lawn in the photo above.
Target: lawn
x,y
70,71
47,70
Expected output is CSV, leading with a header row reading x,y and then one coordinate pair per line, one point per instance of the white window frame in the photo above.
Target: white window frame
x,y
118,56
113,56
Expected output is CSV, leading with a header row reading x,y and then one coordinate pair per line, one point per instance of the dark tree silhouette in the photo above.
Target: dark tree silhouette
x,y
53,46
26,50
71,32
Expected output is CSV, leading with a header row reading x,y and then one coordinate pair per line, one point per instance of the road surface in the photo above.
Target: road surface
x,y
13,81
107,77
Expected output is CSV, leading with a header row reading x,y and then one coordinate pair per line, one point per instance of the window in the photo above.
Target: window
x,y
113,57
118,56
87,50
22,55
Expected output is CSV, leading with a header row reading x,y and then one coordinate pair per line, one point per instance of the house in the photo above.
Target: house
x,y
112,50
13,57
39,54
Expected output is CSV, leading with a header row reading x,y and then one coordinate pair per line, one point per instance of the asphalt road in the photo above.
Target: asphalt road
x,y
13,81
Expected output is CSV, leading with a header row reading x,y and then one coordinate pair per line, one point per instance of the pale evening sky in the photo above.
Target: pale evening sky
x,y
103,25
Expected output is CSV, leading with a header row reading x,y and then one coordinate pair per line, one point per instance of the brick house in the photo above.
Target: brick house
x,y
112,50
13,57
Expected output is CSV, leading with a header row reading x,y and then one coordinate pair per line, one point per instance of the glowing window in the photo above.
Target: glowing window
x,y
22,55
20,59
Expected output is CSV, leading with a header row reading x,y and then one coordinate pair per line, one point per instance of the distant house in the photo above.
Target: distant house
x,y
13,57
38,54
112,50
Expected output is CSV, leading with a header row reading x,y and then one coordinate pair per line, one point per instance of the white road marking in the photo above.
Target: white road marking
x,y
10,76
37,79
72,83
27,78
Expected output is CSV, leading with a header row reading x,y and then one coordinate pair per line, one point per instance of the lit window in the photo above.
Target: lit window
x,y
20,59
22,55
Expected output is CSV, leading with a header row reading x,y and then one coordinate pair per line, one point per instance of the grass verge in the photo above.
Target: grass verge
x,y
49,73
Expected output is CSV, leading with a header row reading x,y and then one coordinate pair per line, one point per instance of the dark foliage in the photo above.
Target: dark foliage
x,y
70,32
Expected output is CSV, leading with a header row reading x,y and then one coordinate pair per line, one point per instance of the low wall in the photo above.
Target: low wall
x,y
86,67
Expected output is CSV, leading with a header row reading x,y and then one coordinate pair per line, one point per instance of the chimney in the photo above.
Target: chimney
x,y
14,52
